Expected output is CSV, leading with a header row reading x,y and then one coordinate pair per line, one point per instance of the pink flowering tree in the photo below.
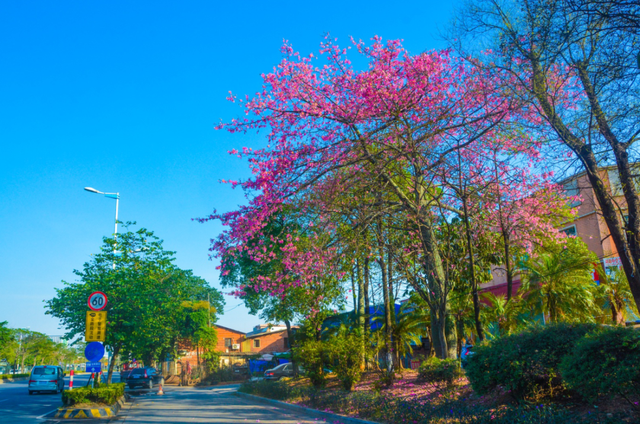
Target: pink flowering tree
x,y
392,130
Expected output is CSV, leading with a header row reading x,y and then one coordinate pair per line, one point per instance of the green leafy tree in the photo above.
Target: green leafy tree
x,y
145,291
7,341
243,271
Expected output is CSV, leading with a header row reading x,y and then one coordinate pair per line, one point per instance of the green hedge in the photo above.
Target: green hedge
x,y
526,364
605,363
106,394
8,376
434,370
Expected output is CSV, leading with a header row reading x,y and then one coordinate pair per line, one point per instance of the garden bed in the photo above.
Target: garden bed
x,y
410,400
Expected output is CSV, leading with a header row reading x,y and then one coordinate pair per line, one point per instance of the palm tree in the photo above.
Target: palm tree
x,y
560,285
507,315
411,325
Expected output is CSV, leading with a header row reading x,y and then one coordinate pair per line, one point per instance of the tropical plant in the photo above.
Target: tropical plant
x,y
559,283
506,315
409,327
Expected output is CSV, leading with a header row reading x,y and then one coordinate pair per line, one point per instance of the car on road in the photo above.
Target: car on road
x,y
145,377
282,370
124,375
46,378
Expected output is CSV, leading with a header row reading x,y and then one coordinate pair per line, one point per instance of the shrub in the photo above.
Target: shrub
x,y
106,394
313,355
278,390
10,376
606,362
525,364
434,369
345,353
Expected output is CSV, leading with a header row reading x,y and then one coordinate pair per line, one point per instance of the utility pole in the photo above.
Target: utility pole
x,y
209,303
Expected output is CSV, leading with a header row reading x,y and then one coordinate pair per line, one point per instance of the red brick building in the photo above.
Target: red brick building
x,y
589,225
268,339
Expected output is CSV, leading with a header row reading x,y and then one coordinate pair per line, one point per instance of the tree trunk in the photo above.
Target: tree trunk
x,y
361,315
392,305
367,304
472,271
294,361
507,264
112,364
628,249
451,334
387,310
437,288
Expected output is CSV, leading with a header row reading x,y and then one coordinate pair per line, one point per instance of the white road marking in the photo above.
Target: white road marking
x,y
41,417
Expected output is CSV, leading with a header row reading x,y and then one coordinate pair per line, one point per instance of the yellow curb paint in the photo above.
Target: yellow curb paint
x,y
108,411
81,414
95,413
66,414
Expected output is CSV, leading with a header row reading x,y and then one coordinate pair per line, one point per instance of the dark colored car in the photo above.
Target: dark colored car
x,y
282,370
240,369
124,375
145,377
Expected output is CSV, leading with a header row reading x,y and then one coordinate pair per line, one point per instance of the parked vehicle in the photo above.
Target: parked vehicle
x,y
282,370
46,378
465,353
241,369
124,375
145,377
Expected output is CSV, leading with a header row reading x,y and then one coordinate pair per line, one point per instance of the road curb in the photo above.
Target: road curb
x,y
331,418
106,412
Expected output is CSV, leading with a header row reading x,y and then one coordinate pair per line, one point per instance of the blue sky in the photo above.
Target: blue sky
x,y
124,96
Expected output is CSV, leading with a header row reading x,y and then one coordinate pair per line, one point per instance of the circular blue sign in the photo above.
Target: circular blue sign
x,y
94,351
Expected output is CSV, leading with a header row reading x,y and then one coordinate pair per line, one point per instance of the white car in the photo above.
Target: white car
x,y
46,378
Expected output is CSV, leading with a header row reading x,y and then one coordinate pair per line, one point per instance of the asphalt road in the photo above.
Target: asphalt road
x,y
17,406
215,405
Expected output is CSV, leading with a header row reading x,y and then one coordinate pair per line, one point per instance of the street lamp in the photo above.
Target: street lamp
x,y
111,196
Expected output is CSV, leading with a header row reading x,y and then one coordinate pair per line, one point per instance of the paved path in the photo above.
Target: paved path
x,y
211,405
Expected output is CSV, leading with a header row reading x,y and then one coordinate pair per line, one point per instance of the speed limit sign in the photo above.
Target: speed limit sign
x,y
97,301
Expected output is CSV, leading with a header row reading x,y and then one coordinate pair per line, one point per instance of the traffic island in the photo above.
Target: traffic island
x,y
103,401
88,412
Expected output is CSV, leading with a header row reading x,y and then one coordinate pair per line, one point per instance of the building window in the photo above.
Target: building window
x,y
571,189
614,182
570,231
228,342
256,343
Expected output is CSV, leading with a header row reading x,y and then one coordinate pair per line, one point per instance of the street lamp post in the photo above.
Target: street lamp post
x,y
111,196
